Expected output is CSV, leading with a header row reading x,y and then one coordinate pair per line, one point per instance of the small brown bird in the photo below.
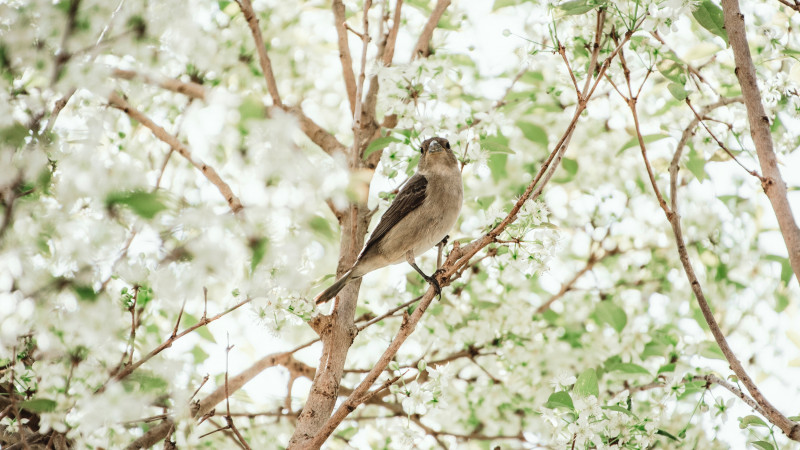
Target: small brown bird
x,y
425,209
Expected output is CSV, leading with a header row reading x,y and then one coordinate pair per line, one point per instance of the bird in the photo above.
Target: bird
x,y
421,215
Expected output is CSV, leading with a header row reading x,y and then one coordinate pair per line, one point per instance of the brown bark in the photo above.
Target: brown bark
x,y
773,183
337,332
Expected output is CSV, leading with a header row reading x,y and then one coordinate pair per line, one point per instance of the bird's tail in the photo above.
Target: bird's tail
x,y
331,292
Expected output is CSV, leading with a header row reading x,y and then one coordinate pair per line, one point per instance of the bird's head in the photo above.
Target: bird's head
x,y
436,156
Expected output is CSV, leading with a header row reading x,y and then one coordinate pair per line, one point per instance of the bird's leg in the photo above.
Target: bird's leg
x,y
441,250
431,280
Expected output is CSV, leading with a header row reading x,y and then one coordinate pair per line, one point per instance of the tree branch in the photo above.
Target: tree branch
x,y
344,52
791,429
263,57
168,343
233,201
773,185
391,38
190,88
423,47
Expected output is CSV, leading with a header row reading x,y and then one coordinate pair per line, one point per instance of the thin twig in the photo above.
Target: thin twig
x,y
721,144
228,417
168,343
233,201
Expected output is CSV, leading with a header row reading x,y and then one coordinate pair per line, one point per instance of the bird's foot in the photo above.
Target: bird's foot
x,y
435,284
444,241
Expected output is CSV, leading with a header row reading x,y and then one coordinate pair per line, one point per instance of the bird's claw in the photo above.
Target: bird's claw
x,y
435,284
444,240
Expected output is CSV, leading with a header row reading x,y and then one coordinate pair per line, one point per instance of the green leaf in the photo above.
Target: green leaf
x,y
534,133
667,368
571,167
38,405
347,433
497,164
786,267
710,17
678,91
607,312
654,348
634,142
618,408
710,349
667,434
628,368
503,3
258,247
532,77
496,144
144,204
379,144
587,384
147,381
189,320
199,354
559,399
671,69
321,226
575,7
251,108
696,165
763,445
14,136
751,420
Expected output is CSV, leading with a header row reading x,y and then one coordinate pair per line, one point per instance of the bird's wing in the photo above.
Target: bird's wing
x,y
410,198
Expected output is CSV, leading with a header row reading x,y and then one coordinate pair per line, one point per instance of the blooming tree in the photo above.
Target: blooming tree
x,y
179,179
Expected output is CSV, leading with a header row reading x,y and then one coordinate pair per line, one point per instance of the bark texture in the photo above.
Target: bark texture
x,y
772,182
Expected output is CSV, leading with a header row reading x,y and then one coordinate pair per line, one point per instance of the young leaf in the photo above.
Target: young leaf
x,y
144,204
379,144
634,142
534,133
751,420
587,384
608,313
619,409
677,91
709,16
628,368
559,399
497,164
38,405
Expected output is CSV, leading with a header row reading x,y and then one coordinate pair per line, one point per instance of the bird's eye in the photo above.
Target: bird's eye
x,y
420,149
447,145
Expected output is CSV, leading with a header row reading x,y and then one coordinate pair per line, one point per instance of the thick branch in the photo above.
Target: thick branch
x,y
233,201
423,47
773,185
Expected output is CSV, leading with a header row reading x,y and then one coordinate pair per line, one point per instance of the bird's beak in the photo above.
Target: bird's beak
x,y
435,147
